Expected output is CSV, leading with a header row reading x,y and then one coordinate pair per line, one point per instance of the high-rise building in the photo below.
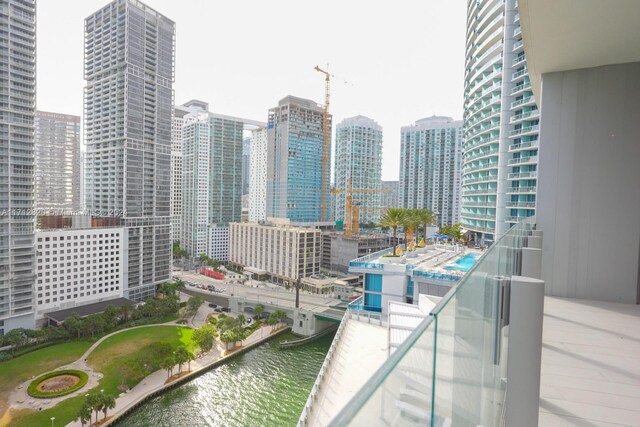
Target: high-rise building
x,y
294,161
359,160
177,122
430,167
246,165
17,109
389,195
211,179
57,162
128,103
501,123
258,175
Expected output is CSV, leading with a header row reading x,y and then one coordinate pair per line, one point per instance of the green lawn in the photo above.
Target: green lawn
x,y
119,350
15,371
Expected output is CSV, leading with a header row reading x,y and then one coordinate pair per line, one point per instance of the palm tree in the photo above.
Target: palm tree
x,y
258,310
393,218
424,217
182,356
108,402
190,357
167,364
84,414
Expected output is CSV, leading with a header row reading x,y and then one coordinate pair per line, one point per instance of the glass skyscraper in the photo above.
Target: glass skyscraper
x,y
17,108
294,160
128,103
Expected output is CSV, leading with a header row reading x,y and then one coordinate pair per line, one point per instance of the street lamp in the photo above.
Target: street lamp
x,y
52,419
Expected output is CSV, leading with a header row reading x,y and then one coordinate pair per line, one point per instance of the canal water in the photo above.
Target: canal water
x,y
264,387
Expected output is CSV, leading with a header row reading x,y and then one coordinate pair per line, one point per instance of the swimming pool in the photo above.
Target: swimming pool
x,y
463,264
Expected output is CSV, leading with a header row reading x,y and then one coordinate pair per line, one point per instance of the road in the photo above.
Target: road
x,y
255,291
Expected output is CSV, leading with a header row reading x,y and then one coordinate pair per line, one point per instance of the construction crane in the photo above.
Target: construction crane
x,y
325,145
352,210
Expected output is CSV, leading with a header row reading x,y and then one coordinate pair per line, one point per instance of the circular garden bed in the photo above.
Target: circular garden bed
x,y
57,383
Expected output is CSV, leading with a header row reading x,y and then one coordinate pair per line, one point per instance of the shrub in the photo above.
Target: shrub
x,y
33,387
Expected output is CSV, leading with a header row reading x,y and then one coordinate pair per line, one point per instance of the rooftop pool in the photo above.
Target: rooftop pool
x,y
463,264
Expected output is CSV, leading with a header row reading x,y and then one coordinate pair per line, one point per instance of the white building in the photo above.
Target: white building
x,y
359,160
76,267
501,123
283,252
431,167
258,175
177,122
218,242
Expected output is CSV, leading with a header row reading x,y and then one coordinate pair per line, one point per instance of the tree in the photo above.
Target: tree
x,y
241,319
193,303
73,324
190,358
393,218
94,402
258,310
205,337
126,311
409,223
424,217
110,316
168,363
16,338
94,323
272,320
107,402
280,315
84,414
182,357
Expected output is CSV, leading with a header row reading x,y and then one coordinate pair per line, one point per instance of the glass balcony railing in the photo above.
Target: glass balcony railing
x,y
451,370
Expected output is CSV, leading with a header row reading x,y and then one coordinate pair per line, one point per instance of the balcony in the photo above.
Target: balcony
x,y
528,205
520,87
459,330
519,74
523,146
481,191
480,154
524,130
488,178
524,160
524,101
478,216
523,175
525,190
525,115
517,45
518,60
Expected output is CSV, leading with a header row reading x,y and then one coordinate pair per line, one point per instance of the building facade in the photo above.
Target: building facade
x,y
258,175
295,161
431,167
211,178
177,122
76,267
17,110
338,250
284,253
128,113
57,162
501,123
246,165
389,195
359,161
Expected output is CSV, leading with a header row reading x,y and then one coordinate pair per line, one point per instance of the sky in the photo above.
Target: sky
x,y
393,61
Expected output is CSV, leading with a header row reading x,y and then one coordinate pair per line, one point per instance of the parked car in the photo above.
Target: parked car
x,y
218,310
212,305
226,309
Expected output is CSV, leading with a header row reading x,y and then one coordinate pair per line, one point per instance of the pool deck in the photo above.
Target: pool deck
x,y
590,374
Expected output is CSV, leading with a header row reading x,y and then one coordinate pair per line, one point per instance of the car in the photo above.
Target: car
x,y
218,310
212,305
226,309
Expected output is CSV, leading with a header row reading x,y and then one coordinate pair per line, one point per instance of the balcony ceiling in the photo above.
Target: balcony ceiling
x,y
562,35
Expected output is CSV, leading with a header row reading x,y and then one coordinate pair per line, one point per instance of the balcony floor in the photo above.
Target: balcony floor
x,y
590,364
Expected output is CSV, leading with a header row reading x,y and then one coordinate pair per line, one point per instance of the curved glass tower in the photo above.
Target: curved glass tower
x,y
500,122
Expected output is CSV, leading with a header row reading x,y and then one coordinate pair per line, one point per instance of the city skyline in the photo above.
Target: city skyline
x,y
392,63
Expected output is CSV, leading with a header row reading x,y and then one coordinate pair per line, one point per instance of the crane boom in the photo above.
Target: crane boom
x,y
325,145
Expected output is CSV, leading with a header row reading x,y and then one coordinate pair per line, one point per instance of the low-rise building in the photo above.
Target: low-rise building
x,y
318,284
78,266
283,252
338,249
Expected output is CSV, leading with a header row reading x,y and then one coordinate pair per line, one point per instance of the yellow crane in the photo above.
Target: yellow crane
x,y
325,145
352,211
